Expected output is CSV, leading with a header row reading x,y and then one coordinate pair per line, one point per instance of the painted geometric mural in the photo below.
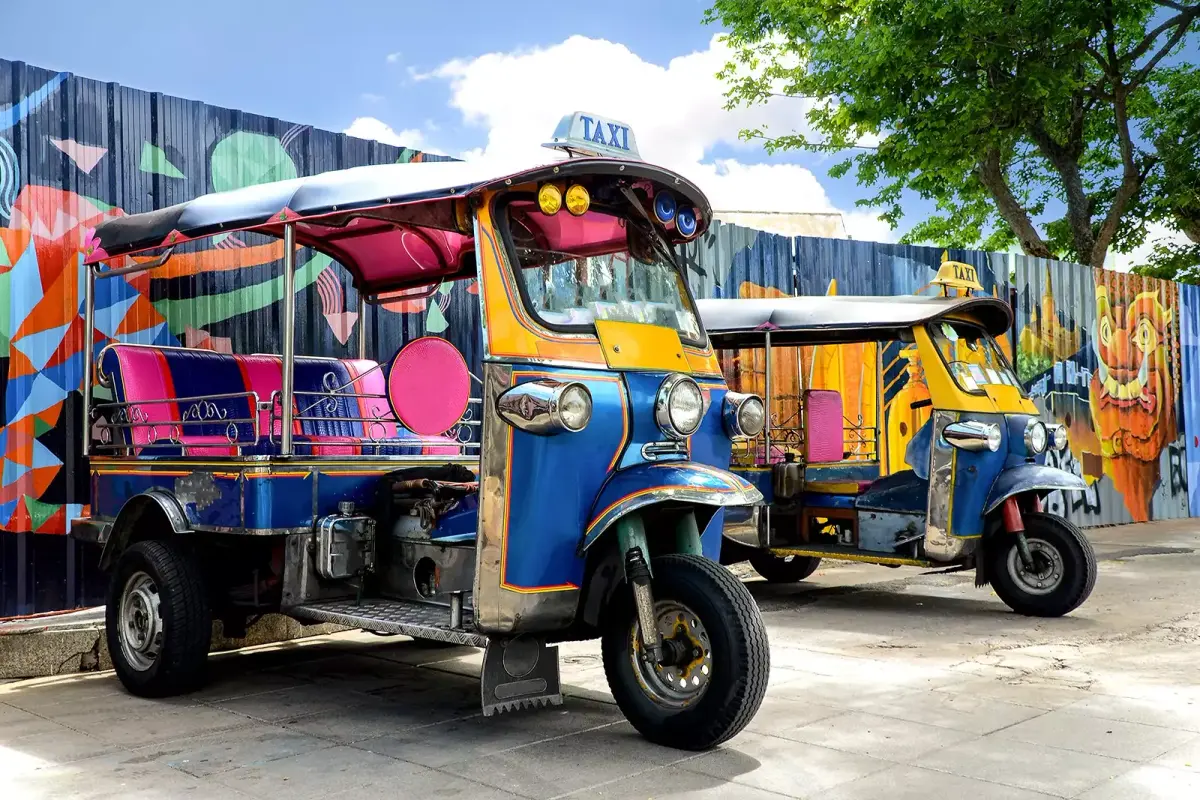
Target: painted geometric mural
x,y
74,152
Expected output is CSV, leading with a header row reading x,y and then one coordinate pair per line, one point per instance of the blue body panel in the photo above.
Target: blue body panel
x,y
849,471
1030,478
974,473
760,478
647,484
901,491
553,480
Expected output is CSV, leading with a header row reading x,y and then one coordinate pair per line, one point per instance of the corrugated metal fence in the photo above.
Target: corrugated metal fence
x,y
75,151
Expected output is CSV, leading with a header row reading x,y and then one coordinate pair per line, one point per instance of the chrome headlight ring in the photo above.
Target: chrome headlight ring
x,y
1036,437
744,415
671,406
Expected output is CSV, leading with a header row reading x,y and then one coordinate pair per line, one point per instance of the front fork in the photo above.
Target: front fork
x,y
631,538
1014,524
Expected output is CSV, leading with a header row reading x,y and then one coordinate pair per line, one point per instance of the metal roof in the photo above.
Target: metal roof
x,y
824,320
329,208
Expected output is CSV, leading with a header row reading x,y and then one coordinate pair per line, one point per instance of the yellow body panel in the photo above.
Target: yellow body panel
x,y
635,345
947,396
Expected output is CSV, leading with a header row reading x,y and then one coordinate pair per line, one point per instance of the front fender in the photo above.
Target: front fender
x,y
680,481
1031,478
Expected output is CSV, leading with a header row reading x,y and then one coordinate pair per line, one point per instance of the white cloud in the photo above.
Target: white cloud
x,y
1156,233
394,58
677,112
380,131
371,97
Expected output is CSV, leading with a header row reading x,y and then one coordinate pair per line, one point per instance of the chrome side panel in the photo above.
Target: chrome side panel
x,y
939,544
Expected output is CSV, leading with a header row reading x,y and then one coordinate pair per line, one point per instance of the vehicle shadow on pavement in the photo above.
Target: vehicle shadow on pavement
x,y
316,718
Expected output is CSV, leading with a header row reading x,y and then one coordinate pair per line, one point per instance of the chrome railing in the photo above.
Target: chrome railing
x,y
111,418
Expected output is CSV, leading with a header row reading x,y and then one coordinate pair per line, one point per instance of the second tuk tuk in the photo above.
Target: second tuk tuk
x,y
573,490
969,492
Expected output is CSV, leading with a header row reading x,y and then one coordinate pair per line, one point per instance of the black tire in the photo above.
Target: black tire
x,y
1078,567
740,655
179,660
783,569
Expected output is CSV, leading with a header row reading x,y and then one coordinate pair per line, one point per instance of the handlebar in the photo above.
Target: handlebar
x,y
926,403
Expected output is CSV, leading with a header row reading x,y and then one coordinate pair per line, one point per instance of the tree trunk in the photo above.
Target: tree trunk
x,y
991,175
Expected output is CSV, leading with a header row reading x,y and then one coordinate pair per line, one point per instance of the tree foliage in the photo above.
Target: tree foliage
x,y
1066,126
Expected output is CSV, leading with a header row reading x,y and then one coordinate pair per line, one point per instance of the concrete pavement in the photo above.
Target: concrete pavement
x,y
885,683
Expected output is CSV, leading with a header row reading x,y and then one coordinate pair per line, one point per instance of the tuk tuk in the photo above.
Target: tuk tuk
x,y
969,492
573,490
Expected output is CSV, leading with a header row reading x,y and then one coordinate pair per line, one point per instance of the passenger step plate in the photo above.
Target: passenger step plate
x,y
419,620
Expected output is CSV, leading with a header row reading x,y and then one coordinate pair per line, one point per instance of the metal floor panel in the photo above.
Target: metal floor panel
x,y
419,620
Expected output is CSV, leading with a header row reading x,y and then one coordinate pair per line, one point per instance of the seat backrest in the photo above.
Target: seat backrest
x,y
428,386
824,439
369,380
325,417
137,374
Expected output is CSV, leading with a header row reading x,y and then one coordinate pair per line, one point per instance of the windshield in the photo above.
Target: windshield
x,y
576,270
972,357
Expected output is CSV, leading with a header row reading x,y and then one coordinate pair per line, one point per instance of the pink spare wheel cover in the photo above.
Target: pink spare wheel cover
x,y
428,386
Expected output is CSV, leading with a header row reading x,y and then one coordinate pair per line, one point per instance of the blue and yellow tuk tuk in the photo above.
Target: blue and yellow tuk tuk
x,y
572,490
968,493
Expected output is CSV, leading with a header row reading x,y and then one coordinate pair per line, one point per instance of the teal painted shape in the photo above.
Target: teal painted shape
x,y
12,471
40,347
24,289
42,457
43,393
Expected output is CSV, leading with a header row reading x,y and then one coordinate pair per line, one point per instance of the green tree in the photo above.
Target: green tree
x,y
996,110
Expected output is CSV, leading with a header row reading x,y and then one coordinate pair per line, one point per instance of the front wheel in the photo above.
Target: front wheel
x,y
158,622
716,657
1063,572
783,569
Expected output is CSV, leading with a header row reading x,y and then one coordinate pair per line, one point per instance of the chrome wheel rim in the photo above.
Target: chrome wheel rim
x,y
1048,568
139,623
674,685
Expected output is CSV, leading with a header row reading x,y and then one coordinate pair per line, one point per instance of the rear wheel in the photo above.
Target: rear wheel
x,y
783,569
1063,571
716,657
158,622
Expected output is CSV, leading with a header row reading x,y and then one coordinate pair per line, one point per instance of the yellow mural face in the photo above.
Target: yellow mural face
x,y
1133,395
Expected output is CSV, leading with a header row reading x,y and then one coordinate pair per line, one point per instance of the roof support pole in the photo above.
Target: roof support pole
x,y
289,337
767,399
89,355
362,326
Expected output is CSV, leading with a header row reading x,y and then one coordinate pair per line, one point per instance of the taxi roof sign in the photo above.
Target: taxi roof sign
x,y
957,275
585,134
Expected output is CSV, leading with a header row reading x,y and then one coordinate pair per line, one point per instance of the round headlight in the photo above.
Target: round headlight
x,y
752,416
1059,437
744,415
679,406
994,438
575,407
1035,437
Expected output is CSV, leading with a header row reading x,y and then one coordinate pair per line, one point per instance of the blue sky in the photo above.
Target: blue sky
x,y
306,63
463,78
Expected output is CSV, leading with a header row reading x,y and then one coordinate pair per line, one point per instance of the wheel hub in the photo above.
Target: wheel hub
x,y
686,667
1046,570
139,624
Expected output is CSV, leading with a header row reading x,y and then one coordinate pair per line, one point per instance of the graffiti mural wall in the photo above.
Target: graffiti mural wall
x,y
1099,351
74,152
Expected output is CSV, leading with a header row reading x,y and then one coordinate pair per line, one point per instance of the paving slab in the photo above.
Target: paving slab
x,y
886,684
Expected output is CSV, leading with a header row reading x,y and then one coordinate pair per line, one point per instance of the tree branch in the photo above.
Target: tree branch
x,y
1065,161
1181,22
990,171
